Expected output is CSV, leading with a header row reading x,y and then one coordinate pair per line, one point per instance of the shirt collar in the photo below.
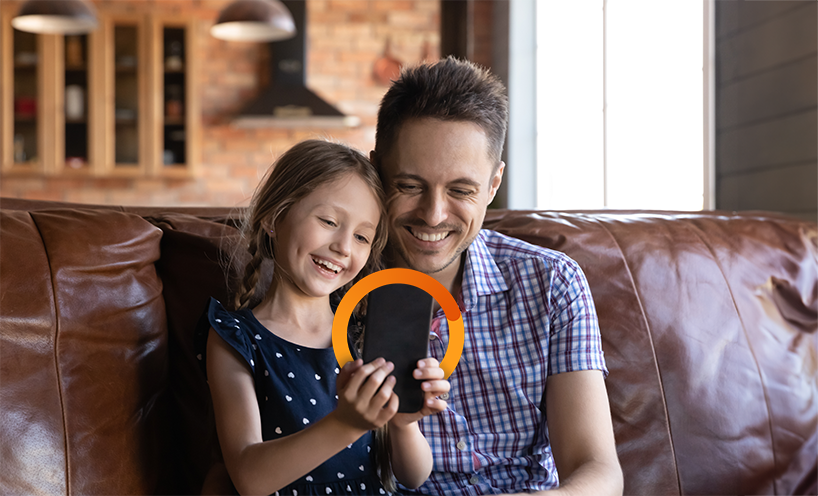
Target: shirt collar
x,y
481,276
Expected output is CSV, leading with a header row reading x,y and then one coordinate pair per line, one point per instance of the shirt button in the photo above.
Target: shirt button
x,y
444,396
461,445
474,480
432,337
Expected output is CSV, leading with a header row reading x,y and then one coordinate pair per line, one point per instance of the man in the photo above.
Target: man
x,y
532,336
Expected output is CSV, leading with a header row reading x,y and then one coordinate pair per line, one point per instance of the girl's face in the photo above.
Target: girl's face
x,y
325,238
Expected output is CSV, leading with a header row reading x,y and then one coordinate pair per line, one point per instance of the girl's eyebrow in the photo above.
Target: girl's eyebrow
x,y
342,209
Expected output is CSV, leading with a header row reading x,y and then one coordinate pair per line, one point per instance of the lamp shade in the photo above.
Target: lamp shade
x,y
56,17
254,20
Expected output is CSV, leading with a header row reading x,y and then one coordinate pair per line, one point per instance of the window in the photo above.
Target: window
x,y
621,115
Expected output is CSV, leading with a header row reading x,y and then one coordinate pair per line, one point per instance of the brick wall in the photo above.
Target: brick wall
x,y
344,39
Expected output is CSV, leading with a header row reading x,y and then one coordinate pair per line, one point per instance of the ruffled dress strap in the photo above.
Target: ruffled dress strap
x,y
227,327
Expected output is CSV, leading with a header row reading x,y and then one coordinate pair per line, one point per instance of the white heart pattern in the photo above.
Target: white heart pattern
x,y
361,468
278,355
219,321
251,363
337,371
368,449
305,421
349,446
381,491
309,478
278,430
288,397
363,486
291,375
266,373
312,401
254,347
257,337
340,475
329,491
199,356
317,377
349,489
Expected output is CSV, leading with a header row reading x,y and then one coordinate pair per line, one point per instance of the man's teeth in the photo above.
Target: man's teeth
x,y
429,237
331,266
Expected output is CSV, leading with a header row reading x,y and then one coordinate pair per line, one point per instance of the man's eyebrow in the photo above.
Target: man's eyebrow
x,y
406,175
462,180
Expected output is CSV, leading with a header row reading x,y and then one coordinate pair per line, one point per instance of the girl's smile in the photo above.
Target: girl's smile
x,y
325,238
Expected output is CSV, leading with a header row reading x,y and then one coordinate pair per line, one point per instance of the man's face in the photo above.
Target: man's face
x,y
439,181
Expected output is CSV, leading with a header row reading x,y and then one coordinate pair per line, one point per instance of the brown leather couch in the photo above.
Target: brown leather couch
x,y
708,323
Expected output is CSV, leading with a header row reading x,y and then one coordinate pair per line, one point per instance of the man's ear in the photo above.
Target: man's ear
x,y
496,180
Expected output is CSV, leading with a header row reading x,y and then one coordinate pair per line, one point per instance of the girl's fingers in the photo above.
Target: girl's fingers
x,y
384,394
427,371
374,381
428,362
435,388
433,405
362,373
389,410
346,372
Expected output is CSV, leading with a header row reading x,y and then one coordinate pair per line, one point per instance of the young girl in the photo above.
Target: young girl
x,y
288,420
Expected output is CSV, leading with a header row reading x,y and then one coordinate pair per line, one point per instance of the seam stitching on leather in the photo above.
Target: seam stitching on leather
x,y
700,234
652,348
56,357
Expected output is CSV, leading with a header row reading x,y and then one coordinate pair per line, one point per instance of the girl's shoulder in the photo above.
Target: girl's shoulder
x,y
231,326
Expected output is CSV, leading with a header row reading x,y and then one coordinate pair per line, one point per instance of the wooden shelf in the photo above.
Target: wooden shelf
x,y
138,85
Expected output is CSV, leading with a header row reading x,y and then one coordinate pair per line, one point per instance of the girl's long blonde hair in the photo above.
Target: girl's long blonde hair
x,y
297,173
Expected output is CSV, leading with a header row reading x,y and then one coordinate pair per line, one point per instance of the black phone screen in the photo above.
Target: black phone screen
x,y
396,327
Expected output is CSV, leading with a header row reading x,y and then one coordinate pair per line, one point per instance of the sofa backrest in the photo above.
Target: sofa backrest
x,y
83,354
708,325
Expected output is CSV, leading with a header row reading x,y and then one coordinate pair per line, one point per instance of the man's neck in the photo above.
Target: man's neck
x,y
450,277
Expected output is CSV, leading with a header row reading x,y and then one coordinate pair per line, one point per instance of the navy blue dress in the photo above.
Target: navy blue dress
x,y
295,386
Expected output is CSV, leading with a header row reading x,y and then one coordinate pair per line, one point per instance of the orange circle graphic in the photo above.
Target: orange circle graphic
x,y
400,276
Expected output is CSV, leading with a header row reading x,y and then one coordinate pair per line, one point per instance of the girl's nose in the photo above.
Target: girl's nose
x,y
342,244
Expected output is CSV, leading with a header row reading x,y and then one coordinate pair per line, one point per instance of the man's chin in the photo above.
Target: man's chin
x,y
426,263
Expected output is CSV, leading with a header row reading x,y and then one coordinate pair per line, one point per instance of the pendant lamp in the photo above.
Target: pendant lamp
x,y
254,20
56,17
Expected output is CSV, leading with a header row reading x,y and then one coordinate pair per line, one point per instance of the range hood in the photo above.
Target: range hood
x,y
287,102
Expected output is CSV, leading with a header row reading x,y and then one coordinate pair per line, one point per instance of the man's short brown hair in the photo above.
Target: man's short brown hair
x,y
449,90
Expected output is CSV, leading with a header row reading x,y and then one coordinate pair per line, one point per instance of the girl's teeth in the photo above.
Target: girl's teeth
x,y
429,237
328,265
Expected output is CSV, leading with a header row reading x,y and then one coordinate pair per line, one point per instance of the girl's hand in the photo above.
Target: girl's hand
x,y
433,385
365,397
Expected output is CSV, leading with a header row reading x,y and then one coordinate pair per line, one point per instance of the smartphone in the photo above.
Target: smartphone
x,y
396,327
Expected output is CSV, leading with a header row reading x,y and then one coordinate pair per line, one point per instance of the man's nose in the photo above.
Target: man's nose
x,y
433,209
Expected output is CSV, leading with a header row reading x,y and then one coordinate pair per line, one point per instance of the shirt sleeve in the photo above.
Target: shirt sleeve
x,y
575,342
229,328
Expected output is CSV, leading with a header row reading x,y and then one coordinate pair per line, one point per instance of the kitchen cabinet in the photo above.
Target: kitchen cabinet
x,y
119,101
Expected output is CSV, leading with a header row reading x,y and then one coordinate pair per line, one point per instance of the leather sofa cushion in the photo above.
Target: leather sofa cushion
x,y
83,354
712,357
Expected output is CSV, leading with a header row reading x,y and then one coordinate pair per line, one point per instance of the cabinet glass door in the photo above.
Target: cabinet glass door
x,y
25,97
127,67
76,101
174,132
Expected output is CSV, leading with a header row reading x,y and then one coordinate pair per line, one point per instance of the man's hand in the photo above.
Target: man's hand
x,y
581,434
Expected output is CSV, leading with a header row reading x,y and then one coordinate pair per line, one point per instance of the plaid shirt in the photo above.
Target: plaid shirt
x,y
528,313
